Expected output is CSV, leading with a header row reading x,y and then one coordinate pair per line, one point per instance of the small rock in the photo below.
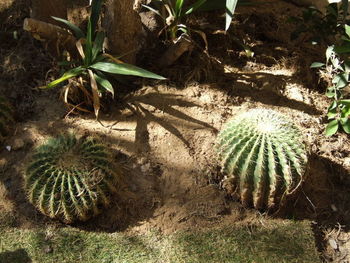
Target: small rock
x,y
18,144
8,147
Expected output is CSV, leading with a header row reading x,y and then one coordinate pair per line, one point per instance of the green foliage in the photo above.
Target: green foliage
x,y
6,118
264,157
177,11
332,29
318,27
230,10
71,179
94,61
337,70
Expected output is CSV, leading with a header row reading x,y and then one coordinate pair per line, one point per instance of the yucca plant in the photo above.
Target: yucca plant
x,y
6,118
264,157
177,10
95,62
71,179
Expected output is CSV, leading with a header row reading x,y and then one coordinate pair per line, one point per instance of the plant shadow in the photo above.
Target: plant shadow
x,y
16,256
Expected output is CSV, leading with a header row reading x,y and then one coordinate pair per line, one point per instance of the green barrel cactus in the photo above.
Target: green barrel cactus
x,y
263,156
71,179
6,118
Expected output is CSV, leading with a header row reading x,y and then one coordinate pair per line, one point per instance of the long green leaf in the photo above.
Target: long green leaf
x,y
124,69
103,82
178,7
317,65
153,10
230,10
345,102
67,75
95,13
98,45
195,6
77,32
88,45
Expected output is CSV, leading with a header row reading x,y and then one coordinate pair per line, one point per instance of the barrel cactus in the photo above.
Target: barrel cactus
x,y
71,179
6,118
263,156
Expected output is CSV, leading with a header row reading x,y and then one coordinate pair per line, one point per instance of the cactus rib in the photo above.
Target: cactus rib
x,y
71,179
263,155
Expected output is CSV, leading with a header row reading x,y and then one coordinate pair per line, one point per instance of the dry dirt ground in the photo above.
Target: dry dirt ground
x,y
165,135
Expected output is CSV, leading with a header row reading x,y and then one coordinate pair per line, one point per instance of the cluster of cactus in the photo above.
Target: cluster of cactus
x,y
6,118
71,179
263,156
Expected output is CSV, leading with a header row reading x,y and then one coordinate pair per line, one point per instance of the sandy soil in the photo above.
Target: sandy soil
x,y
165,135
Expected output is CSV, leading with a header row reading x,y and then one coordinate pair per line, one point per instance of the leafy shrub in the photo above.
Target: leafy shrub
x,y
71,179
336,70
264,157
333,29
318,27
95,63
177,11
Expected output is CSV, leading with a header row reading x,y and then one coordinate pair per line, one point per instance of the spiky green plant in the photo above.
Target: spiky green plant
x,y
6,118
71,179
264,157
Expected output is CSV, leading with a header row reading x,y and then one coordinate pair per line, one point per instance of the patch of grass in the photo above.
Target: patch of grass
x,y
289,242
285,241
7,217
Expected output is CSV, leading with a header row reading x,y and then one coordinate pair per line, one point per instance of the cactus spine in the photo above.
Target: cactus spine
x,y
71,179
263,155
